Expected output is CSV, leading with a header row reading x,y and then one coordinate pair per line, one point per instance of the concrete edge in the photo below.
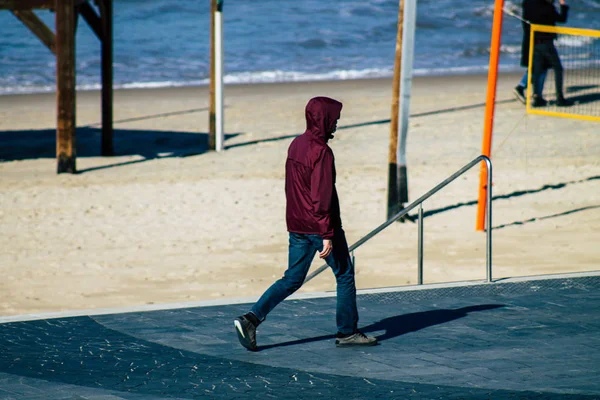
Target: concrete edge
x,y
301,296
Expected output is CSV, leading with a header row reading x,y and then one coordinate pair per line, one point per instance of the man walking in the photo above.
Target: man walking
x,y
542,12
521,88
314,225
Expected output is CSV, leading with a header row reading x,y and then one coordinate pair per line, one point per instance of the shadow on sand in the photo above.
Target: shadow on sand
x,y
580,88
581,98
33,144
517,193
400,324
576,210
369,123
585,98
153,116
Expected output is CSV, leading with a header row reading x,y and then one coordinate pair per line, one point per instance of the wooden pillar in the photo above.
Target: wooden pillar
x,y
394,204
65,86
212,126
107,77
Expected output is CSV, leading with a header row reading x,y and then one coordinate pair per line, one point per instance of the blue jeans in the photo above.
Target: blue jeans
x,y
542,79
302,249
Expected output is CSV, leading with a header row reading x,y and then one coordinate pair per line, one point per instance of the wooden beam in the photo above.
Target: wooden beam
x,y
65,86
32,4
394,205
25,4
89,15
106,12
37,26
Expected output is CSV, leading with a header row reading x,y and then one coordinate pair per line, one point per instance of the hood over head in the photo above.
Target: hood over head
x,y
322,114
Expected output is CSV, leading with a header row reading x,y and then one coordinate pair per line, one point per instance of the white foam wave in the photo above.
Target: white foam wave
x,y
470,70
230,79
488,10
510,48
29,89
360,7
286,76
574,41
591,3
295,76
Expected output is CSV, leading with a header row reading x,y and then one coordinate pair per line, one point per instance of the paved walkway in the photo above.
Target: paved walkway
x,y
536,339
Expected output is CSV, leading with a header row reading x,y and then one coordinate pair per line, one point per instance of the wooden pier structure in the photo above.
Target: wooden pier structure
x,y
99,17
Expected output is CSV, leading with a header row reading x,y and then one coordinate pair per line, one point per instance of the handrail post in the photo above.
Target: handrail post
x,y
420,278
353,259
488,247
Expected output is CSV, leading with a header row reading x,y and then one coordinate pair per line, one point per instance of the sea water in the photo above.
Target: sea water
x,y
160,43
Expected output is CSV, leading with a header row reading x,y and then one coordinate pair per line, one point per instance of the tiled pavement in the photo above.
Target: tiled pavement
x,y
534,339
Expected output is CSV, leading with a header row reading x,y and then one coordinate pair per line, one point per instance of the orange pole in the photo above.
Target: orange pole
x,y
489,111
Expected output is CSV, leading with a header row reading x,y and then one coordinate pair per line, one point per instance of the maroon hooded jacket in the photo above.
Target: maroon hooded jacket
x,y
312,202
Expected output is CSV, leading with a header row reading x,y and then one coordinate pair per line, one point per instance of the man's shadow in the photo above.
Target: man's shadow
x,y
400,324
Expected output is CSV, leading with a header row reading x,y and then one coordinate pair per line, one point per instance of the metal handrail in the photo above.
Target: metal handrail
x,y
404,211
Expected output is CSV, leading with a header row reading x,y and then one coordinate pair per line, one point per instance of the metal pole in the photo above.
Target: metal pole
x,y
490,105
211,112
353,260
219,75
420,244
488,247
406,71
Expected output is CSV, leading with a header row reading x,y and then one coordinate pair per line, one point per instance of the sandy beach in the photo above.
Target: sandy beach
x,y
167,221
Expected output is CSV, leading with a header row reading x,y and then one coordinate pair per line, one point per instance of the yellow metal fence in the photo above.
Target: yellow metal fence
x,y
579,51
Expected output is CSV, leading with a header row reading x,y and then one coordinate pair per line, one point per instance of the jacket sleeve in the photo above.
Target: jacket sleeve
x,y
321,191
526,14
563,14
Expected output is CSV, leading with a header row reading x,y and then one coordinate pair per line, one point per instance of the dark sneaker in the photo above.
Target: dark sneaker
x,y
539,101
356,339
519,92
246,332
562,102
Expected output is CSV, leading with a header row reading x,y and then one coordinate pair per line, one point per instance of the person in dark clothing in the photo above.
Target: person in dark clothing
x,y
543,12
520,89
314,225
